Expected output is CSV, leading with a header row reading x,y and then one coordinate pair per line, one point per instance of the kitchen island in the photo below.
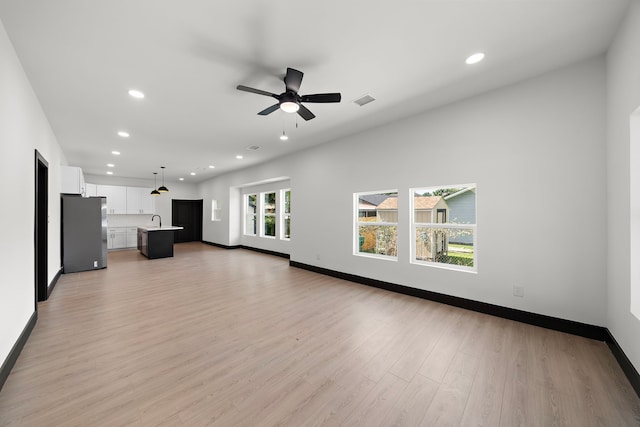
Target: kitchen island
x,y
156,242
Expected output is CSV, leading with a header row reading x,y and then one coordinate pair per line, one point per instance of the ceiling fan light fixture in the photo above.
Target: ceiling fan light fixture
x,y
289,107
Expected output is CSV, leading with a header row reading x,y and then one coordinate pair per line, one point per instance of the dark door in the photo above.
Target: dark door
x,y
41,229
187,214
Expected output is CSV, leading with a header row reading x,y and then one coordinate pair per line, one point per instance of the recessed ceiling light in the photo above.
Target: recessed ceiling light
x,y
475,58
192,173
211,167
136,93
239,157
109,173
110,165
123,134
181,179
117,153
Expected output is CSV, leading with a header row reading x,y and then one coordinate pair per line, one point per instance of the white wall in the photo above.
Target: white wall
x,y
623,90
23,129
183,191
529,146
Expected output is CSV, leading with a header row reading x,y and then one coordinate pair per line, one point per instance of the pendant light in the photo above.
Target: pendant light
x,y
155,192
163,189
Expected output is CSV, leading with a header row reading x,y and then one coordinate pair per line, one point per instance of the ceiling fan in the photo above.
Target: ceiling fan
x,y
289,100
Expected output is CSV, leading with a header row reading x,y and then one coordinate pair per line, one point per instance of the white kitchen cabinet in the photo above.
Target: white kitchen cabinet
x,y
132,237
140,200
91,190
116,238
71,180
116,198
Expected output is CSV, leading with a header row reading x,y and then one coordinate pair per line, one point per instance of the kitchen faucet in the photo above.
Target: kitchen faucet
x,y
159,218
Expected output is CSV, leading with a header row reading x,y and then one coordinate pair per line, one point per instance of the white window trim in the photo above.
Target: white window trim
x,y
415,225
215,211
263,214
357,223
634,213
246,214
445,266
284,214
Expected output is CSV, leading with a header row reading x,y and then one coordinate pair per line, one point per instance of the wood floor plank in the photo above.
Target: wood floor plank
x,y
450,401
413,404
236,337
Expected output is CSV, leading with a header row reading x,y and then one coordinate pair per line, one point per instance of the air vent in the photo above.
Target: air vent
x,y
253,147
364,99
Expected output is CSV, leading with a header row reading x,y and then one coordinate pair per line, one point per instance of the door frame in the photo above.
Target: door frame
x,y
41,229
199,204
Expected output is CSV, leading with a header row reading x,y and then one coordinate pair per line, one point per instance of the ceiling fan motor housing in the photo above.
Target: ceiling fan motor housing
x,y
289,100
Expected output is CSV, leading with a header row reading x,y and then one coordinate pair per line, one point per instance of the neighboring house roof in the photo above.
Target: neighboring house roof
x,y
457,193
425,202
363,205
373,199
419,203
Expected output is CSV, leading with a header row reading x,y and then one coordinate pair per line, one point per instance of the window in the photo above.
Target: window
x,y
376,216
285,227
443,226
215,211
251,212
268,214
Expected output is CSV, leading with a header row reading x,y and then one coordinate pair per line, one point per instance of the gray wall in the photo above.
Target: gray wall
x,y
529,138
23,129
623,90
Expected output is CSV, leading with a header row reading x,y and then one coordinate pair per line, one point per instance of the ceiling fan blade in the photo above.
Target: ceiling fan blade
x,y
305,113
321,97
258,91
293,79
269,110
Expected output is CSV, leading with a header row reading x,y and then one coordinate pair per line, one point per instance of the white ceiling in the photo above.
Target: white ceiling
x,y
188,57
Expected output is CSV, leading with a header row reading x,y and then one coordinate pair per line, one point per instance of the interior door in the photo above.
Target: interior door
x,y
41,228
187,214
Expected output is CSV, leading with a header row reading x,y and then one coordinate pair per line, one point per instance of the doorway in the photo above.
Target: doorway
x,y
41,229
187,214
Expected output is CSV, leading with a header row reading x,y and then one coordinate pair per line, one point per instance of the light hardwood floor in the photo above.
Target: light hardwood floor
x,y
239,338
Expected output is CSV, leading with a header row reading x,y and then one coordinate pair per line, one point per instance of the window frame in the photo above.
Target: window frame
x,y
357,224
215,211
248,214
264,214
284,214
414,226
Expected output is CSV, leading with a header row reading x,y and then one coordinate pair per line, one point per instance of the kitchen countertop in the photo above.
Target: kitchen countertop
x,y
169,228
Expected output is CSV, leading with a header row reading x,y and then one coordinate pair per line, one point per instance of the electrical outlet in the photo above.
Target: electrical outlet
x,y
317,257
95,263
518,291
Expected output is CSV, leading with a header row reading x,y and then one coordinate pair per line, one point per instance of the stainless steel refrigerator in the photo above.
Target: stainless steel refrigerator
x,y
84,233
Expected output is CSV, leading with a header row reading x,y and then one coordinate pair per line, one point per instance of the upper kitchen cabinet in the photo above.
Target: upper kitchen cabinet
x,y
116,198
140,200
71,180
90,190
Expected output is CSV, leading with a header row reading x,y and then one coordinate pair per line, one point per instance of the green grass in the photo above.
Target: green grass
x,y
456,260
460,251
